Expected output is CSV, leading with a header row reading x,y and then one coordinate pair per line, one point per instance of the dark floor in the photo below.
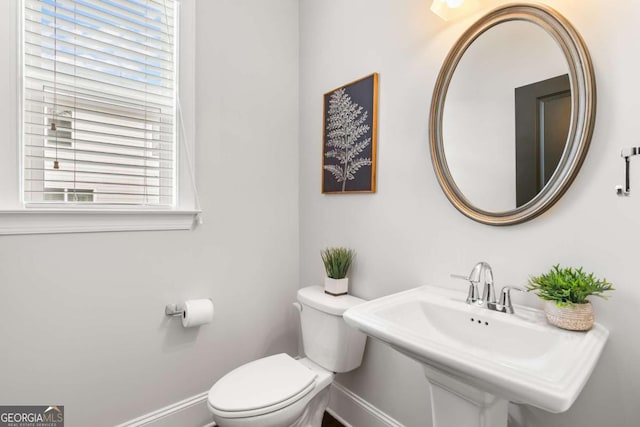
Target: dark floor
x,y
329,421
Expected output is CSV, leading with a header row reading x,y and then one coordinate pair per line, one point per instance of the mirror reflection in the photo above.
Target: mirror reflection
x,y
507,116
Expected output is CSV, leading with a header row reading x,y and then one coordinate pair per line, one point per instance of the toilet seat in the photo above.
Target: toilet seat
x,y
261,386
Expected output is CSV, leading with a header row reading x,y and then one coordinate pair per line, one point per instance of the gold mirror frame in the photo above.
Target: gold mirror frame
x,y
583,110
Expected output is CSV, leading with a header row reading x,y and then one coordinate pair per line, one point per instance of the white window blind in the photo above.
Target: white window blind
x,y
99,102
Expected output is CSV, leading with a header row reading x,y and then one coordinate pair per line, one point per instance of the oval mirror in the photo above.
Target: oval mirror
x,y
512,114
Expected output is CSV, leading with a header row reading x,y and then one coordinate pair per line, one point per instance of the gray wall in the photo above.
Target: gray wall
x,y
408,234
82,320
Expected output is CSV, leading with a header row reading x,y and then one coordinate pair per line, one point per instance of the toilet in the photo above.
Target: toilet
x,y
280,391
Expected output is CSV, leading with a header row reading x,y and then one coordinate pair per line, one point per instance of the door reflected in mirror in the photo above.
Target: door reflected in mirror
x,y
507,116
543,116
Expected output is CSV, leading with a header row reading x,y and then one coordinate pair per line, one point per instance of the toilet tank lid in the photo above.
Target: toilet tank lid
x,y
314,296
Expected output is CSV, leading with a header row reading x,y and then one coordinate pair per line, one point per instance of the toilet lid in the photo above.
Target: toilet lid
x,y
261,384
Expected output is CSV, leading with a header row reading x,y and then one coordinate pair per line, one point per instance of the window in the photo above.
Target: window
x,y
68,195
99,103
121,166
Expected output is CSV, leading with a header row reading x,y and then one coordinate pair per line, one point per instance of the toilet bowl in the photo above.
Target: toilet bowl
x,y
280,391
283,392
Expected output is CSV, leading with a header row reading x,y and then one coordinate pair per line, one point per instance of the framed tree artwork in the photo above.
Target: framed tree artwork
x,y
349,137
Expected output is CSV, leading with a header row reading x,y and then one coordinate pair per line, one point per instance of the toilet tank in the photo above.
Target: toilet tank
x,y
326,337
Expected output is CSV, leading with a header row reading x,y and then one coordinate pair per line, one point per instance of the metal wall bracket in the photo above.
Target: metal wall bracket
x,y
173,310
626,153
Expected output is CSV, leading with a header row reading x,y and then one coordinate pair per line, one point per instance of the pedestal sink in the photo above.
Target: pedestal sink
x,y
477,360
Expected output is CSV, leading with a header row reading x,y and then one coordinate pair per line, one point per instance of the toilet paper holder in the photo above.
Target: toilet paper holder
x,y
173,310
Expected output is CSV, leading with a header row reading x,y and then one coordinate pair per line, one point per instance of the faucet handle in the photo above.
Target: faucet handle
x,y
505,298
472,295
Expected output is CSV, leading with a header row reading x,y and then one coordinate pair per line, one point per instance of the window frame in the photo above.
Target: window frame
x,y
18,217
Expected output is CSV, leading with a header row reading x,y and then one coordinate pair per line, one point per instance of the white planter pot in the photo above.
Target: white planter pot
x,y
336,287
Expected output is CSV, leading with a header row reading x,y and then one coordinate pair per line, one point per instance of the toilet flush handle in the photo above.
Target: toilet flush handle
x,y
298,306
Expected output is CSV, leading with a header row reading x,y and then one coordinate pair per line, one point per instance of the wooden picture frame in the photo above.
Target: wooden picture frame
x,y
349,137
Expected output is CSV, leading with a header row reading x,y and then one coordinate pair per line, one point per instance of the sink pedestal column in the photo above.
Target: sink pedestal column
x,y
454,403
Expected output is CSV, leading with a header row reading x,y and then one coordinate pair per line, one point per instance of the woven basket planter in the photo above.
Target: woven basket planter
x,y
576,317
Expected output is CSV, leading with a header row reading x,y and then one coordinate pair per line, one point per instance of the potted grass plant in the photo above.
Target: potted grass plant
x,y
565,291
336,264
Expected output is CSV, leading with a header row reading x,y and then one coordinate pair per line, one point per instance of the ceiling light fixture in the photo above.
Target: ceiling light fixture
x,y
452,9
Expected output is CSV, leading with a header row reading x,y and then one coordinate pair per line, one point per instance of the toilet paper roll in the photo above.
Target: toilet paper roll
x,y
197,312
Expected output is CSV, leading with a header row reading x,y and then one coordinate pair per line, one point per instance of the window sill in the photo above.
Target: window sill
x,y
52,221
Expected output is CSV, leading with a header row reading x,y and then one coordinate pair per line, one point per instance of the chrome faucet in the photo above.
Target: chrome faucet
x,y
482,274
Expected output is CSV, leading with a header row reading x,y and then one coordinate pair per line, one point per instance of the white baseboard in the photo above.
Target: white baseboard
x,y
190,412
344,405
353,411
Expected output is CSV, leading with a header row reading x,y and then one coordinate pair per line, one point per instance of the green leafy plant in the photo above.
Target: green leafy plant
x,y
568,286
337,261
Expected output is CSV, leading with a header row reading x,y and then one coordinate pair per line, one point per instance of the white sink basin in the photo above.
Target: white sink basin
x,y
516,357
